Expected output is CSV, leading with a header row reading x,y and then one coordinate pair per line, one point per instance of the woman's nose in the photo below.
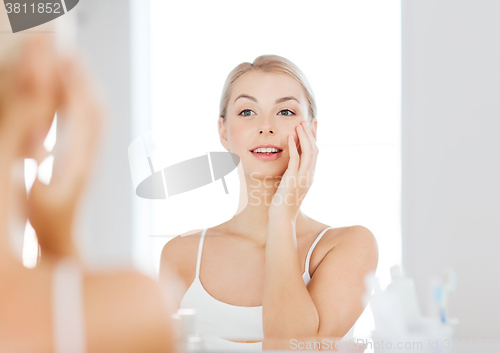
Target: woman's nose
x,y
266,126
270,131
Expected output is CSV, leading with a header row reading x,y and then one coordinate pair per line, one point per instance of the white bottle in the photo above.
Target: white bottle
x,y
386,314
191,340
404,287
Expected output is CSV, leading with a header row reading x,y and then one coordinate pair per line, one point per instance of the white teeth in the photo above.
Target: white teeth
x,y
266,150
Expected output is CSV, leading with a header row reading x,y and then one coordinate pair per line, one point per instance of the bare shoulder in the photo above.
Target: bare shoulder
x,y
361,236
116,301
351,234
178,262
358,241
176,249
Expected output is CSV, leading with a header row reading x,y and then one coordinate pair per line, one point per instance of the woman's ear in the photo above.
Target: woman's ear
x,y
223,133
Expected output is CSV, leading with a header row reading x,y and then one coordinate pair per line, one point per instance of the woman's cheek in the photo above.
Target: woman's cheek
x,y
237,138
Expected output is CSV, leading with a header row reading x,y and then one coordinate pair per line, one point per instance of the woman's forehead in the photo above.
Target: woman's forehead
x,y
267,86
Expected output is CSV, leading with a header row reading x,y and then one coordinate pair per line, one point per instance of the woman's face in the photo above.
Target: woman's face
x,y
263,109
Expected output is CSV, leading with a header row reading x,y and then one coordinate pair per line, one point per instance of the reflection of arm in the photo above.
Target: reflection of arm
x,y
52,209
332,301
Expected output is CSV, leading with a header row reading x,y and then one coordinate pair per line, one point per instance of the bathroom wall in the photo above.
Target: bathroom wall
x,y
104,35
450,154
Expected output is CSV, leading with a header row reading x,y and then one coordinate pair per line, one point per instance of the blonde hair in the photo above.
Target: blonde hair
x,y
273,64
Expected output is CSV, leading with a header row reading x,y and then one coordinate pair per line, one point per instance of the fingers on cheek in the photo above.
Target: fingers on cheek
x,y
297,143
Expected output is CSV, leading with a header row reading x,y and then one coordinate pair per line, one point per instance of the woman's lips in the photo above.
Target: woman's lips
x,y
267,157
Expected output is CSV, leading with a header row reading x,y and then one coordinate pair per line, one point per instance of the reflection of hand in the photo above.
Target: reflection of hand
x,y
298,177
51,208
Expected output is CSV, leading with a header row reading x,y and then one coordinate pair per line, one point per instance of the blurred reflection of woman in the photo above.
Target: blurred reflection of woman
x,y
271,274
57,306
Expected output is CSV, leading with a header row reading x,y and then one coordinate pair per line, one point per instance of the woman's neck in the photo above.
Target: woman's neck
x,y
252,218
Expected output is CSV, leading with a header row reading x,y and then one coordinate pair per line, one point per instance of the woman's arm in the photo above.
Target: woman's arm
x,y
288,310
338,285
332,301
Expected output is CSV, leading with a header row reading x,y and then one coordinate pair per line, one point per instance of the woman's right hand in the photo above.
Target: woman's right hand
x,y
52,208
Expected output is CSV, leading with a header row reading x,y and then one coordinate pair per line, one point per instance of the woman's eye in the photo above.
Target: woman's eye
x,y
287,112
246,112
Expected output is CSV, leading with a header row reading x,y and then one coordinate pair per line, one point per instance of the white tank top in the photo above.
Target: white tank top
x,y
221,323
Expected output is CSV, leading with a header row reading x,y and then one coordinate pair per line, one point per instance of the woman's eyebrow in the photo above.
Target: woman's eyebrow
x,y
284,99
246,96
280,100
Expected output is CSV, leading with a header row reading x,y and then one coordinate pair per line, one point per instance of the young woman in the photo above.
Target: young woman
x,y
271,274
57,306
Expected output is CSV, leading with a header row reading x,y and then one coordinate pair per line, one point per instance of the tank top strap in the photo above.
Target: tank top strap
x,y
67,308
308,258
200,249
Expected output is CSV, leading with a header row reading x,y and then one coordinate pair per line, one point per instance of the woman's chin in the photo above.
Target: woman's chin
x,y
268,172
